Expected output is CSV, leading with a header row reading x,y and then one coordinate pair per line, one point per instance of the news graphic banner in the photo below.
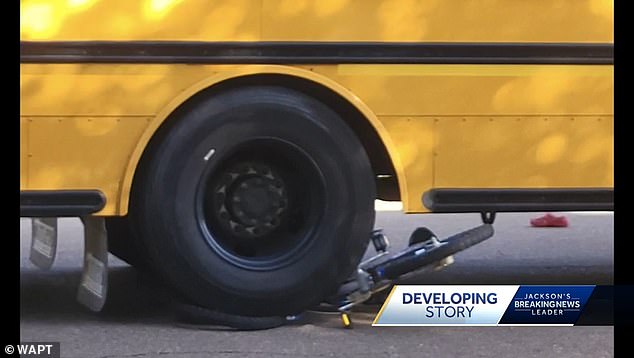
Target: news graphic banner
x,y
422,305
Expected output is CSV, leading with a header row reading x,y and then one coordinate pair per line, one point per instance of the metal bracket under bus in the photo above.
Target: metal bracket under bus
x,y
93,286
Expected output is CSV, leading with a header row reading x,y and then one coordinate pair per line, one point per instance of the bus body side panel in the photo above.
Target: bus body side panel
x,y
319,20
444,125
80,153
492,126
465,128
24,159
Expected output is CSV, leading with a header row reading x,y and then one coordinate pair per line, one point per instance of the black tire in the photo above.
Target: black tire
x,y
202,318
302,179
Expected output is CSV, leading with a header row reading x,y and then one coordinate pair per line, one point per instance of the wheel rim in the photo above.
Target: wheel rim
x,y
259,205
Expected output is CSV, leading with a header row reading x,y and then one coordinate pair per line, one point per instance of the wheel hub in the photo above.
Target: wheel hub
x,y
251,200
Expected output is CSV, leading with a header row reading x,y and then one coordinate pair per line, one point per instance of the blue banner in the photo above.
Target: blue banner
x,y
547,305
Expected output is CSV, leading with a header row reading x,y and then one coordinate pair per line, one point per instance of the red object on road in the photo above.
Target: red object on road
x,y
550,220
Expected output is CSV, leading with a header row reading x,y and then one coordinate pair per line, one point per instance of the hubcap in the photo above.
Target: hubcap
x,y
251,200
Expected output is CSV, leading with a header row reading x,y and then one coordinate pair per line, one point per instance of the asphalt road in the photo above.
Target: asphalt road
x,y
137,323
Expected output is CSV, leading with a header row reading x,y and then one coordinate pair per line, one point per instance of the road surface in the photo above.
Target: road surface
x,y
137,322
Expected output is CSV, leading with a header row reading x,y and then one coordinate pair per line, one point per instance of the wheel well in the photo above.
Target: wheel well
x,y
385,174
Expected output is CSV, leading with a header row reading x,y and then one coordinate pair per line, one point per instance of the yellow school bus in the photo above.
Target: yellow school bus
x,y
236,147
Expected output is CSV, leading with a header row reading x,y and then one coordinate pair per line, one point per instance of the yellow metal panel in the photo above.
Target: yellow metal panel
x,y
99,90
209,20
402,90
413,138
472,70
407,90
438,20
495,152
24,140
319,20
82,153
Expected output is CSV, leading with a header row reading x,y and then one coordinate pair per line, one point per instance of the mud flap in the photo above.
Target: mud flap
x,y
43,242
93,286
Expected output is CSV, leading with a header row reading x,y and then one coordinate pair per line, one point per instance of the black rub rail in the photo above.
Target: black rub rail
x,y
60,203
191,52
447,200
